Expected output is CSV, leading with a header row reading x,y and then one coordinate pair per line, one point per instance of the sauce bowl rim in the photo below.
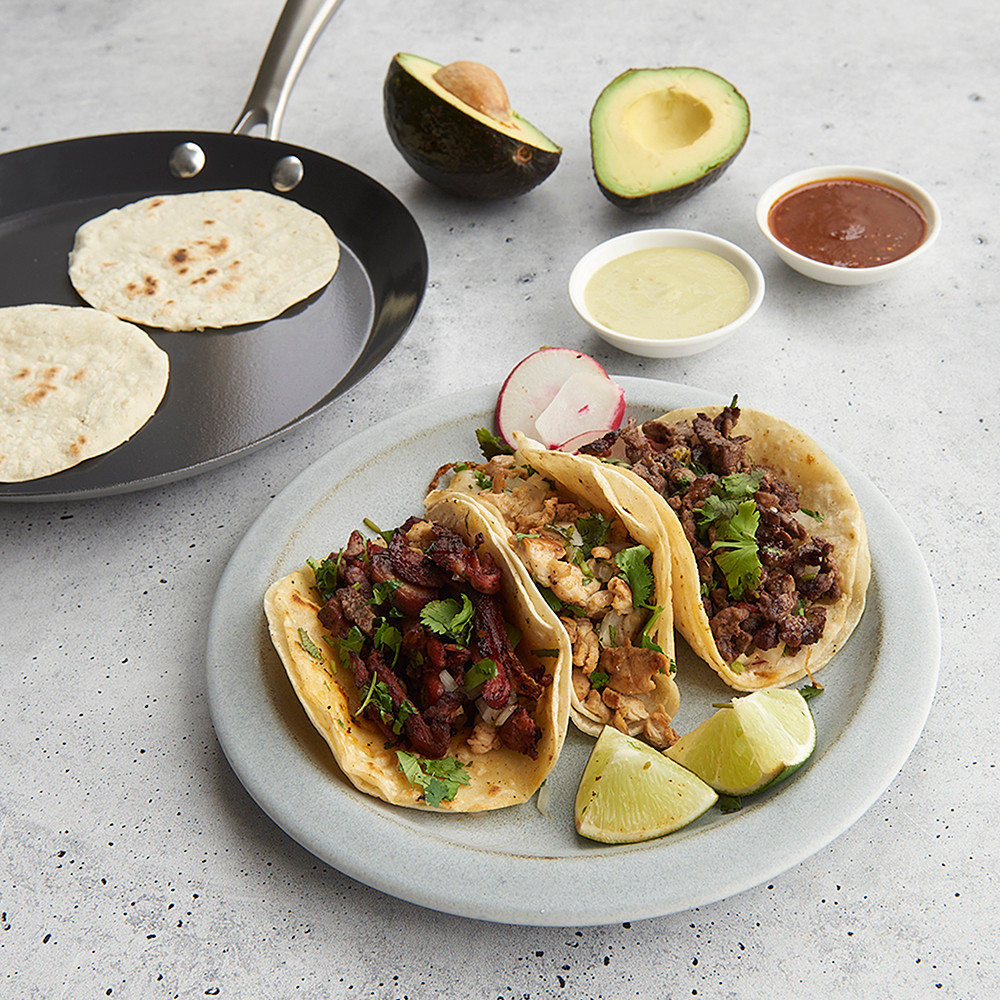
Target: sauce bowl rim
x,y
642,239
839,273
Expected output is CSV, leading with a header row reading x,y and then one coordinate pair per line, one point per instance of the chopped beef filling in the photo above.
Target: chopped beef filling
x,y
422,683
688,463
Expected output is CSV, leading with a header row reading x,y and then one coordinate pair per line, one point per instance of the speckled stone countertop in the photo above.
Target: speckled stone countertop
x,y
132,861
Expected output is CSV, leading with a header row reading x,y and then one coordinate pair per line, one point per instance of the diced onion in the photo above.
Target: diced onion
x,y
449,682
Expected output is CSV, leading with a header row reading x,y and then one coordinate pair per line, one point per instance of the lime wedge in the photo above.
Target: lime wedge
x,y
757,742
631,792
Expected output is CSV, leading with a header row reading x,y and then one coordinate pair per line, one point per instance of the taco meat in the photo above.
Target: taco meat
x,y
420,620
586,564
765,579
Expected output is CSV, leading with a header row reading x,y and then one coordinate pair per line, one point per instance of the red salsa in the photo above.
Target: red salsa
x,y
848,222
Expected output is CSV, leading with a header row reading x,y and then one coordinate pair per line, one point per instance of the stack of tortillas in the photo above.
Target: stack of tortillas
x,y
203,259
74,383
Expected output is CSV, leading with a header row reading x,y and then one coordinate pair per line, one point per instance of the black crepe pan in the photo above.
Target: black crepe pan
x,y
235,389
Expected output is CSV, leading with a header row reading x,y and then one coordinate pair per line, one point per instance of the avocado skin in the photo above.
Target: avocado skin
x,y
454,151
658,201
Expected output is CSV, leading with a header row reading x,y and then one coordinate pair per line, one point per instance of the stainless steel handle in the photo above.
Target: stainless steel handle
x,y
298,27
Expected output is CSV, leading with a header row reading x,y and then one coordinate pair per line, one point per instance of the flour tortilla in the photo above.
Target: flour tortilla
x,y
74,383
203,259
797,459
586,482
498,778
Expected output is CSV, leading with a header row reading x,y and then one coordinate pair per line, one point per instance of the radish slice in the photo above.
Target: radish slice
x,y
534,383
585,402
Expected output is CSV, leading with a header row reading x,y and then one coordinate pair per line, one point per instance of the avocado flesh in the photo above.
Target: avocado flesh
x,y
455,146
660,135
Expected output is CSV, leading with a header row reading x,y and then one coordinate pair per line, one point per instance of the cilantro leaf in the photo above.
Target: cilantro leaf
x,y
389,637
449,617
638,576
739,559
740,485
491,445
479,673
439,780
593,529
325,571
353,642
599,679
306,642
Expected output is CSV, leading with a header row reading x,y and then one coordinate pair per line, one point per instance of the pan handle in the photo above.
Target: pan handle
x,y
298,27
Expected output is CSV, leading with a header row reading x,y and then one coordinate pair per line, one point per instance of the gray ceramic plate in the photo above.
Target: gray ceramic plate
x,y
518,865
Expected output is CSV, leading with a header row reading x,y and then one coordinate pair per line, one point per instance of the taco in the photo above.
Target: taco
x,y
769,551
436,678
598,557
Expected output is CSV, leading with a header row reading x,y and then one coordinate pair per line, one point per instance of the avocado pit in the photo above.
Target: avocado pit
x,y
454,126
478,86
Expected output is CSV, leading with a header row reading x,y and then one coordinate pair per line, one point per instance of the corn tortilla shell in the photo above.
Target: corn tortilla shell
x,y
499,778
74,383
587,482
798,459
203,258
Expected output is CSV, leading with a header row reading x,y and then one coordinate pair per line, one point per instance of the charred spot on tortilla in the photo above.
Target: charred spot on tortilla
x,y
74,383
136,261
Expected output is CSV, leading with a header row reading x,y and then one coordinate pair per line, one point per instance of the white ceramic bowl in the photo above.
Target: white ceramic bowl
x,y
834,274
645,239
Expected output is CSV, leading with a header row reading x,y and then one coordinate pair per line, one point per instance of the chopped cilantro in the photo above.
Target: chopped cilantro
x,y
646,641
372,526
639,577
491,445
816,515
593,529
450,617
384,591
377,695
811,691
598,680
479,673
305,641
388,637
483,481
325,571
438,779
740,561
353,642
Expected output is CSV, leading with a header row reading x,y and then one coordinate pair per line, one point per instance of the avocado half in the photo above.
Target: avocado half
x,y
483,152
657,136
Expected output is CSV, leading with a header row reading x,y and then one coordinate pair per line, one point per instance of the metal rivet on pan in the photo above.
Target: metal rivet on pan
x,y
287,173
186,160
